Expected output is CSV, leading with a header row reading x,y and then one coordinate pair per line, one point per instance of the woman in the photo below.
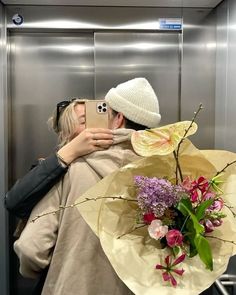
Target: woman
x,y
28,191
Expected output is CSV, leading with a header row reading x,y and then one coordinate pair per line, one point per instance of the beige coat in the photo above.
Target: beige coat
x,y
78,264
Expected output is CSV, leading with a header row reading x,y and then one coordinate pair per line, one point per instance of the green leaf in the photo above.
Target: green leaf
x,y
192,251
183,205
201,209
184,208
204,251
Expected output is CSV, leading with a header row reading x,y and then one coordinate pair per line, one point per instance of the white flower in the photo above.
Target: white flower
x,y
156,230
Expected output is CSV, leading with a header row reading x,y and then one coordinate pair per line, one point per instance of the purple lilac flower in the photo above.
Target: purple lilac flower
x,y
157,194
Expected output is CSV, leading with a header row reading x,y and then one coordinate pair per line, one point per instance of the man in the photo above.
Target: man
x,y
63,241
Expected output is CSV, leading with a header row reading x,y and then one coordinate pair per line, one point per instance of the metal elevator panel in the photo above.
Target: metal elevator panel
x,y
120,56
45,68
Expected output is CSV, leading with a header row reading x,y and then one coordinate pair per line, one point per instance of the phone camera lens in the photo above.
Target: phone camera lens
x,y
104,104
104,110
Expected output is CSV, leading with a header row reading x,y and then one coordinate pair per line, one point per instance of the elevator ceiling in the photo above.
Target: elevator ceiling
x,y
146,3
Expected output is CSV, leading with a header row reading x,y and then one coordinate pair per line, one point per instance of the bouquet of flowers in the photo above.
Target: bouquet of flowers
x,y
179,216
170,211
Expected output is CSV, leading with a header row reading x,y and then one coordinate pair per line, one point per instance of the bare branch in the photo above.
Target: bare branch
x,y
225,241
176,153
134,229
79,203
226,166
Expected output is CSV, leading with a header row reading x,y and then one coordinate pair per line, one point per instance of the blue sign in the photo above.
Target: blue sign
x,y
170,24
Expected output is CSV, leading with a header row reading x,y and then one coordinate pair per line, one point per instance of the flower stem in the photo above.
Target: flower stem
x,y
178,168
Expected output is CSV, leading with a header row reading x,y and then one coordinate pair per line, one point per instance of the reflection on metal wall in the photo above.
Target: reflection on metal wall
x,y
123,56
89,18
45,69
225,87
198,73
4,245
221,78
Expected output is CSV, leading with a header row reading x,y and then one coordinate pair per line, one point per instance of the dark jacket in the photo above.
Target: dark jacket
x,y
29,190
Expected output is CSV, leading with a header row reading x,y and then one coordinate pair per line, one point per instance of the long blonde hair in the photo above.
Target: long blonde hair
x,y
67,122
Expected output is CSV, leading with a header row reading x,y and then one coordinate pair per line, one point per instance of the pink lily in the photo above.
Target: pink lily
x,y
167,275
196,186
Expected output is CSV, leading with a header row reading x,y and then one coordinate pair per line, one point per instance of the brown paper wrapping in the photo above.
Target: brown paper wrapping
x,y
134,255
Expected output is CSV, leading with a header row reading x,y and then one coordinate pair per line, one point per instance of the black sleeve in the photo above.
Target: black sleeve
x,y
28,191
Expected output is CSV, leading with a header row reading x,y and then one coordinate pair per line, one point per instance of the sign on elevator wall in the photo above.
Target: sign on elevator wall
x,y
170,23
17,19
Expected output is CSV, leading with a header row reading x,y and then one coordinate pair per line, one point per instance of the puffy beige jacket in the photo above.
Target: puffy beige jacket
x,y
78,264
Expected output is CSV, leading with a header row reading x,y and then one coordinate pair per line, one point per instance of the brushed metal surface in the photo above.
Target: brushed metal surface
x,y
157,3
89,18
45,68
230,101
221,78
198,73
4,233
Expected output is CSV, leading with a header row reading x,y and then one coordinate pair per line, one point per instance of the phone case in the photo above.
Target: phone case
x,y
96,114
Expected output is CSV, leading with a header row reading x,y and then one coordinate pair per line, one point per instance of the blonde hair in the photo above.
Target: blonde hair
x,y
67,122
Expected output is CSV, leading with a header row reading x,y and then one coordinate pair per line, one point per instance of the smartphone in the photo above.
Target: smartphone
x,y
96,114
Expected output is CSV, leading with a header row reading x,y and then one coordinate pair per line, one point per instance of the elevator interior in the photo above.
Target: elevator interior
x,y
59,52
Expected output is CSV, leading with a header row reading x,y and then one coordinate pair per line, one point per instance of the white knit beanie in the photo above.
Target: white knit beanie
x,y
137,101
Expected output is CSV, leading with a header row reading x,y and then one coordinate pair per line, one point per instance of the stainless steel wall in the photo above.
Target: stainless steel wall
x,y
45,68
221,76
4,245
198,73
225,74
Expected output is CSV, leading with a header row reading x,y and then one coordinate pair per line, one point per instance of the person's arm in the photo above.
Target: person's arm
x,y
28,191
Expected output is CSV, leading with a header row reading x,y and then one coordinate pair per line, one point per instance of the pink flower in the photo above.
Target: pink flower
x,y
210,224
217,222
148,218
217,205
209,227
174,238
208,196
187,183
202,184
156,230
167,275
195,187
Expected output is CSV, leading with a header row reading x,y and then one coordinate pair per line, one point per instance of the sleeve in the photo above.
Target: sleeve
x,y
35,246
28,191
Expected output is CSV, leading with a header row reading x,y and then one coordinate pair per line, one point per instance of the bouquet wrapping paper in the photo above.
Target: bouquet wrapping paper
x,y
133,254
